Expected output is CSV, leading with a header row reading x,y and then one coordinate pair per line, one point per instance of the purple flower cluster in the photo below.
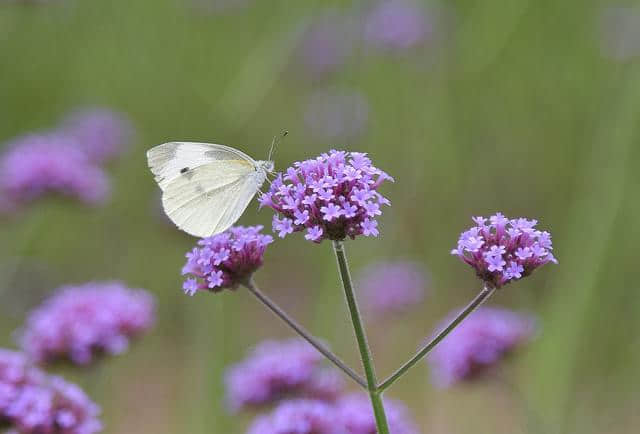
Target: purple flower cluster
x,y
503,250
336,114
396,25
99,132
333,197
309,397
65,160
79,322
38,164
392,286
478,343
349,415
354,412
278,369
298,417
32,402
225,260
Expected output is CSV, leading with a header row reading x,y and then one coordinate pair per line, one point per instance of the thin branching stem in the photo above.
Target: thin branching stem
x,y
475,303
273,307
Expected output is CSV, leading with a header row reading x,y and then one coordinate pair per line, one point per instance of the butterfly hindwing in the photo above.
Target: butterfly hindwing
x,y
205,202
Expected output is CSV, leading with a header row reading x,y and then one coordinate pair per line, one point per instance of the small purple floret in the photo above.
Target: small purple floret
x,y
478,343
278,369
32,402
81,322
228,259
333,196
504,250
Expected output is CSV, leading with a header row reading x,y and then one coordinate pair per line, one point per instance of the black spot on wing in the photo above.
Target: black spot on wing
x,y
187,173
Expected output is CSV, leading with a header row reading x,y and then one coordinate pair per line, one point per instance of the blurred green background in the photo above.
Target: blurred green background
x,y
513,106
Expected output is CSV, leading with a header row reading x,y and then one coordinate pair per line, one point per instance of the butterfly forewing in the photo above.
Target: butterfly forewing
x,y
170,161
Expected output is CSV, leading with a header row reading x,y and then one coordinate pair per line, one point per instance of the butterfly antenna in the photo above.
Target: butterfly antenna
x,y
275,141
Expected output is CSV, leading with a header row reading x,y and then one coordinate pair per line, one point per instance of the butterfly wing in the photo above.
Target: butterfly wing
x,y
172,160
213,199
206,187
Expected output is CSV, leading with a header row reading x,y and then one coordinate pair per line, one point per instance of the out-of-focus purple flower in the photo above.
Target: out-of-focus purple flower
x,y
300,416
278,369
396,25
355,415
478,343
33,403
324,384
225,260
392,286
503,250
101,133
15,372
80,322
38,164
331,196
326,44
336,115
620,32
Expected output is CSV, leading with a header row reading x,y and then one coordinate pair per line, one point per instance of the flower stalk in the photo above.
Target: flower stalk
x,y
300,330
475,303
375,393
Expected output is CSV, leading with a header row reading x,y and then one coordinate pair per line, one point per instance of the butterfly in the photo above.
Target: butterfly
x,y
205,187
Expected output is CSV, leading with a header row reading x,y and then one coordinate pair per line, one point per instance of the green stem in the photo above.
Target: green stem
x,y
475,303
277,310
365,353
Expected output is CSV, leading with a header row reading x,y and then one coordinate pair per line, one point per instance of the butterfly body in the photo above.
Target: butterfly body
x,y
205,187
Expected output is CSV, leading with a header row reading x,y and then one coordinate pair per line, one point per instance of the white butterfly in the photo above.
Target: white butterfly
x,y
205,187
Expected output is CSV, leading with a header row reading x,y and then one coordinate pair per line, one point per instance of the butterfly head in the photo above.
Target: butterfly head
x,y
267,166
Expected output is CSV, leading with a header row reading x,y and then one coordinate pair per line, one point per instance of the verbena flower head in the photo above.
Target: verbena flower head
x,y
101,133
80,322
503,250
298,417
38,164
396,25
355,415
225,260
278,369
392,286
33,403
336,114
478,343
331,197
